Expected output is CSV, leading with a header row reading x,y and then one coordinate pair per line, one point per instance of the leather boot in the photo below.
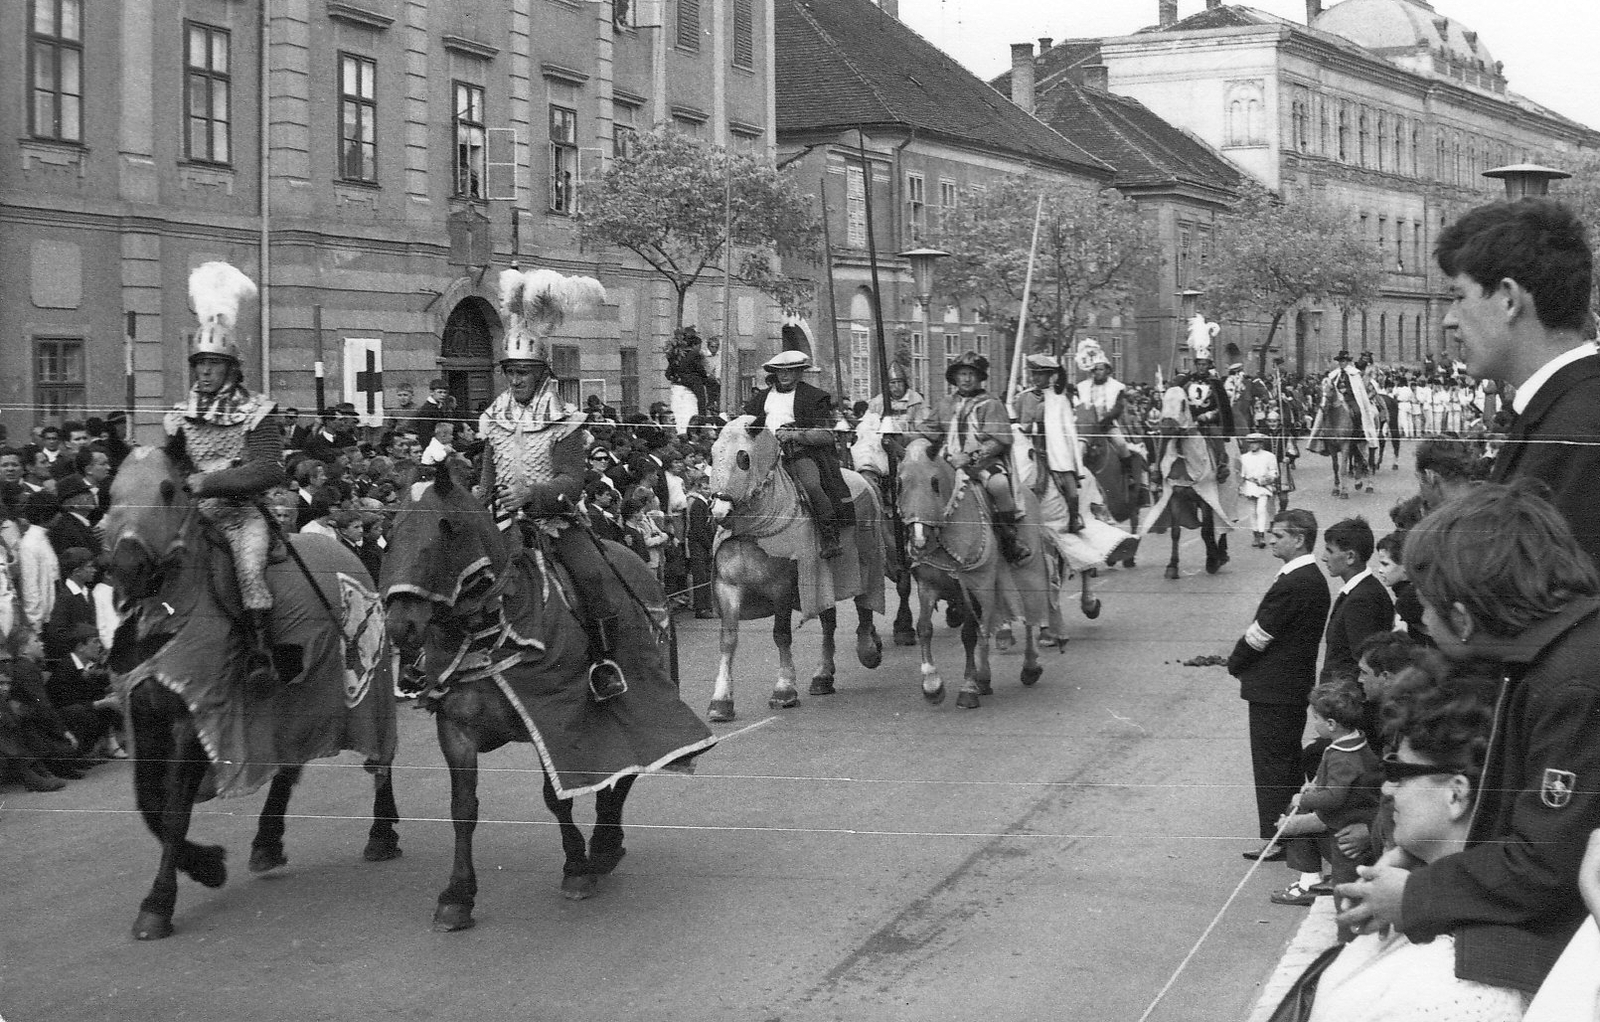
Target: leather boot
x,y
261,671
1005,530
1074,519
606,680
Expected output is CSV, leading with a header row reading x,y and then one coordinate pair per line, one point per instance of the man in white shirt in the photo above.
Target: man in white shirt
x,y
38,568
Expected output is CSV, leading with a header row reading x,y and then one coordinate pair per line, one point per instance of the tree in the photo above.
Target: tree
x,y
1582,194
1274,254
1095,248
678,203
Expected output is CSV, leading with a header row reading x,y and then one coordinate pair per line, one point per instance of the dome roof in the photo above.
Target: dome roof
x,y
1389,25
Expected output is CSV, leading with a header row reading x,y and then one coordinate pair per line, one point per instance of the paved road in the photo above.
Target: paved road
x,y
1055,854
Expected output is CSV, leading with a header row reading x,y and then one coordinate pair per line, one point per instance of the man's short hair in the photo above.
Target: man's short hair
x,y
1394,545
72,426
1297,521
45,431
1537,242
1504,553
305,469
1353,535
1386,652
85,457
1455,460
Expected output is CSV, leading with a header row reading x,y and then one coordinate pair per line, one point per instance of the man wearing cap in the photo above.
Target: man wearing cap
x,y
533,462
802,418
1346,384
232,440
1047,416
976,432
71,528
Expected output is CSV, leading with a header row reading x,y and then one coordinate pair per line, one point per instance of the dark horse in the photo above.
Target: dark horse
x,y
1192,496
506,661
198,729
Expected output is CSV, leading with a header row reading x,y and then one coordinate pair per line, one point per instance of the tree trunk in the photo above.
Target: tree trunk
x,y
1266,346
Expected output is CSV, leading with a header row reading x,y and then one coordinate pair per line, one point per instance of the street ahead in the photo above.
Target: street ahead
x,y
1052,855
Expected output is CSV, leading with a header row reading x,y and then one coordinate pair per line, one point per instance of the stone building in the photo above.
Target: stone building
x,y
372,164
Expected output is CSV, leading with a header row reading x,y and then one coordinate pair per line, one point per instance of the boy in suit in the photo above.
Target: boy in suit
x,y
1363,605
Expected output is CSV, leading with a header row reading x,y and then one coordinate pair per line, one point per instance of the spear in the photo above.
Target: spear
x,y
1022,317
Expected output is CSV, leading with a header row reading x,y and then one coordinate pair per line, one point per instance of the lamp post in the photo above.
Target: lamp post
x,y
1188,304
921,260
1526,180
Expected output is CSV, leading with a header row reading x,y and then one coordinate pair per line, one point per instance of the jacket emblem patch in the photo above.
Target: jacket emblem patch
x,y
1556,791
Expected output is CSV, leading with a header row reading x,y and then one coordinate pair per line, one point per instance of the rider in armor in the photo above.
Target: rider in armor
x,y
533,457
234,443
802,418
1033,410
905,414
977,440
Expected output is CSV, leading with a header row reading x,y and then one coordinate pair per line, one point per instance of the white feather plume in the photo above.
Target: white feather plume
x,y
548,298
512,283
217,289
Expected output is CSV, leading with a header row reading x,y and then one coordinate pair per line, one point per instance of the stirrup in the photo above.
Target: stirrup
x,y
606,680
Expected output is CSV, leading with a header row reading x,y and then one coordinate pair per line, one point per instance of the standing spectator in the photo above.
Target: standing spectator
x,y
310,475
699,536
1502,581
71,527
38,567
10,476
50,448
94,468
1363,605
74,603
1520,281
36,471
1276,664
433,410
402,409
114,439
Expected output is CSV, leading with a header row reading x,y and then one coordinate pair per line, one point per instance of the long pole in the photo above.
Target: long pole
x,y
872,259
833,310
264,242
1022,315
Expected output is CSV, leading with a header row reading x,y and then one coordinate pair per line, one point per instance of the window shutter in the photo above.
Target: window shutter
x,y
744,33
689,24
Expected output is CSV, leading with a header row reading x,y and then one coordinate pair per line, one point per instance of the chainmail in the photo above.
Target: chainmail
x,y
212,448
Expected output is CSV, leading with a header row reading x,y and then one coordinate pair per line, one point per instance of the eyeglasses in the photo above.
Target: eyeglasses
x,y
1395,770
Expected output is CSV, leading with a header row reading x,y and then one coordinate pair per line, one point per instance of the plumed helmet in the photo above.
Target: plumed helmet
x,y
217,289
1090,354
898,372
1201,333
534,303
968,360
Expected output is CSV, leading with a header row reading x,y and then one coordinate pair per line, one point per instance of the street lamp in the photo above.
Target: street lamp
x,y
1526,180
1188,305
921,260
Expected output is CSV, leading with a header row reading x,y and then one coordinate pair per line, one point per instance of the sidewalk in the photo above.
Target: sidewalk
x,y
1316,934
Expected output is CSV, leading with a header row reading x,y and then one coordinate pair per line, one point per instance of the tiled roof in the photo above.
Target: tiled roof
x,y
845,63
1226,16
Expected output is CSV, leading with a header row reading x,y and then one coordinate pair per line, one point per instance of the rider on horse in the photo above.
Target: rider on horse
x,y
977,440
236,450
905,415
533,458
1208,400
802,418
1035,411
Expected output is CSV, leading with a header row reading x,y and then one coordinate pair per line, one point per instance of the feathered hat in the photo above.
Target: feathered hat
x,y
1201,333
535,303
217,289
1090,354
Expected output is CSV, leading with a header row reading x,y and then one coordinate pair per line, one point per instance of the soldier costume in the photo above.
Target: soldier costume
x,y
236,449
1036,406
803,418
533,457
976,433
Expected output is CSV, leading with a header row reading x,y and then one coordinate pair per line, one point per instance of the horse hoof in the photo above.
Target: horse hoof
x,y
150,926
721,711
871,655
967,700
448,918
381,849
1004,640
1172,571
579,887
822,685
1091,608
905,638
206,865
783,700
1212,564
934,696
983,687
263,860
1129,563
1031,675
952,616
602,863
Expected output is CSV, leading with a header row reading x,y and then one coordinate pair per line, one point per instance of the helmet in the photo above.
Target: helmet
x,y
534,304
1090,354
898,372
968,360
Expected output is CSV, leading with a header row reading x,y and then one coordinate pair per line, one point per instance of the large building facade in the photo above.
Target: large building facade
x,y
372,164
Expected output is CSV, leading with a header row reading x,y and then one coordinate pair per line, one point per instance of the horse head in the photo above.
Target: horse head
x,y
444,550
150,506
742,462
927,485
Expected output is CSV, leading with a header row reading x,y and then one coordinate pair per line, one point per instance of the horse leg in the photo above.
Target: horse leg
x,y
383,840
932,684
1215,555
822,681
1172,565
1337,489
1030,656
729,599
266,851
905,630
605,847
869,648
460,747
178,778
976,646
783,694
577,882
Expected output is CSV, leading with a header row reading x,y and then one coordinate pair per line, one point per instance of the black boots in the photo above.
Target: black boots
x,y
1005,530
260,670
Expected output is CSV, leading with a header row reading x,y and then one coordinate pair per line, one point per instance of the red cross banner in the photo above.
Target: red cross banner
x,y
363,378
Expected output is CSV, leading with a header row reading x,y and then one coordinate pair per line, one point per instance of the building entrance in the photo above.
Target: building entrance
x,y
466,357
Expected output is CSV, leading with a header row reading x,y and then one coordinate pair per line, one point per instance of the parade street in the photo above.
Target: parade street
x,y
1053,855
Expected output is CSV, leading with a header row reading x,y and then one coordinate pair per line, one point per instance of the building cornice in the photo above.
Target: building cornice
x,y
355,14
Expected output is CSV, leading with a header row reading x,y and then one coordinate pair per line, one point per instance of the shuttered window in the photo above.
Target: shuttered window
x,y
744,33
689,24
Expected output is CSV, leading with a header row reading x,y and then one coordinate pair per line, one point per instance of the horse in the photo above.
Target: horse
x,y
955,556
1120,484
197,727
1193,496
1351,433
871,457
505,660
766,563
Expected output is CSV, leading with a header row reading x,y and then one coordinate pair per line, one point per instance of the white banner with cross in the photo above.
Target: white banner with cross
x,y
363,378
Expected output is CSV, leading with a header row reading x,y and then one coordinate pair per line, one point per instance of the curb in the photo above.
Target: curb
x,y
1316,934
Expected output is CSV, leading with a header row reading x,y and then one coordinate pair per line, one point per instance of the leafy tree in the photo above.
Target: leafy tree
x,y
1272,255
1095,249
677,202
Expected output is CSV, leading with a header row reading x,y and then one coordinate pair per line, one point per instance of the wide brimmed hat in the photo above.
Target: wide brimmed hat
x,y
1237,367
1255,438
968,360
791,359
1343,356
217,289
1042,363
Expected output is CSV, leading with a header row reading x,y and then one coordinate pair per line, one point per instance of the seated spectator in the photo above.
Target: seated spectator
x,y
80,690
1435,777
1503,582
32,734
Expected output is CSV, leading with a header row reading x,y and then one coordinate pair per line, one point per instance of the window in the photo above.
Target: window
x,y
919,361
1206,249
470,166
1399,145
207,95
59,389
689,25
949,198
916,208
1416,151
1326,132
691,126
855,207
1344,134
629,380
1361,140
358,118
1383,336
1185,255
860,362
55,52
563,160
744,34
1416,248
981,342
749,364
1383,236
744,141
1382,146
566,367
624,129
1400,245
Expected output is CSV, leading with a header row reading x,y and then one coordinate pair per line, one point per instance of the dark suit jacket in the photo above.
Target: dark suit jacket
x,y
1364,610
68,532
69,610
1293,613
1554,440
813,409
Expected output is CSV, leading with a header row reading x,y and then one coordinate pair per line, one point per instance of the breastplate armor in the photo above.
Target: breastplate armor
x,y
523,454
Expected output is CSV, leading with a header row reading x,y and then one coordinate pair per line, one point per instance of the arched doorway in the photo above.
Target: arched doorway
x,y
466,355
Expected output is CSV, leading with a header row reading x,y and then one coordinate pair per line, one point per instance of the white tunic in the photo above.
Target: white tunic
x,y
779,408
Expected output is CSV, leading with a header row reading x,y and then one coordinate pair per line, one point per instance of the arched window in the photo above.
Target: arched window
x,y
859,385
1245,113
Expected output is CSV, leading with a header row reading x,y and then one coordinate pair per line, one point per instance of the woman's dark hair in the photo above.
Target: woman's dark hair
x,y
1394,545
1444,712
1387,652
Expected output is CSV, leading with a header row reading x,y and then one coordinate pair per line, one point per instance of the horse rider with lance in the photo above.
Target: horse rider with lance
x,y
977,440
533,457
1046,415
802,418
236,450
